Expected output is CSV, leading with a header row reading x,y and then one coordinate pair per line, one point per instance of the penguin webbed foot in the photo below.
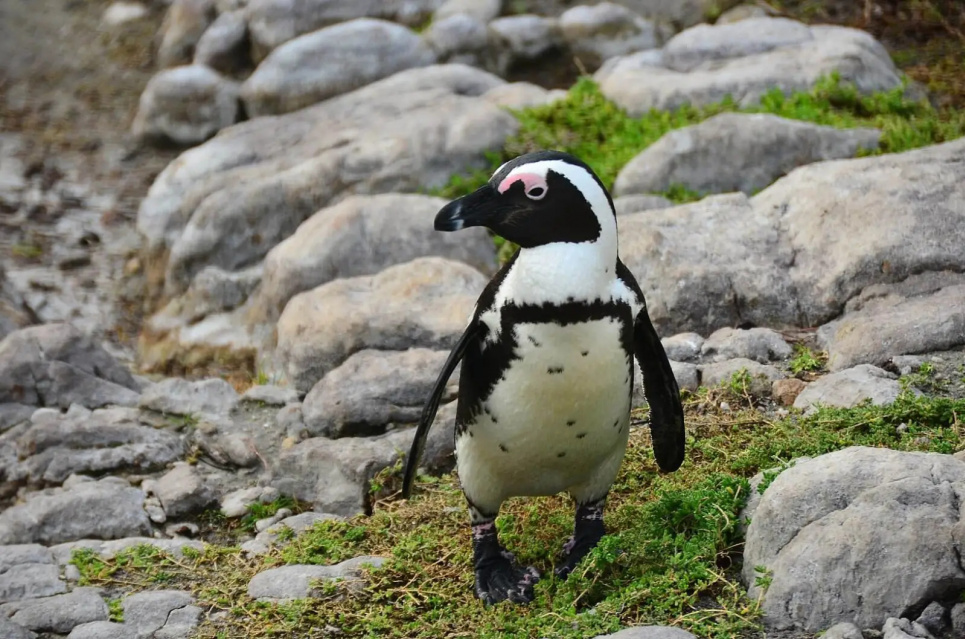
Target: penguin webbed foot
x,y
502,579
587,533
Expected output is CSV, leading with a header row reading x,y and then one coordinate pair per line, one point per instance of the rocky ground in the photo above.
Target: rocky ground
x,y
222,306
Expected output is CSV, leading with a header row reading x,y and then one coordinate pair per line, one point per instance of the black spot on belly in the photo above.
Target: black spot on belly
x,y
533,341
616,422
554,370
580,435
470,434
570,422
493,418
503,448
563,454
584,353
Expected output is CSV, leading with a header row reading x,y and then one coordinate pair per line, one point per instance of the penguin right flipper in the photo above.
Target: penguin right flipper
x,y
432,405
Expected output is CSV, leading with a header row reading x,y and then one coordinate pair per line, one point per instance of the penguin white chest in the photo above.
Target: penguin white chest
x,y
559,416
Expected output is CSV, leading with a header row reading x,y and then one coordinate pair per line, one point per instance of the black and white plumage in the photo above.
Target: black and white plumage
x,y
547,362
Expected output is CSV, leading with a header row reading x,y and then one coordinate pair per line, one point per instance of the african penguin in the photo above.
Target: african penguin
x,y
547,372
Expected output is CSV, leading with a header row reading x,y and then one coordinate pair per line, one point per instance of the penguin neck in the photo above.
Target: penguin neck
x,y
564,272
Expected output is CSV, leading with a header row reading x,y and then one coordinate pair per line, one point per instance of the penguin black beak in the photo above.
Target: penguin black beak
x,y
475,209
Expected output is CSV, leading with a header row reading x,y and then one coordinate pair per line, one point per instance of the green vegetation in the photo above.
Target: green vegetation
x,y
27,251
115,610
258,511
805,360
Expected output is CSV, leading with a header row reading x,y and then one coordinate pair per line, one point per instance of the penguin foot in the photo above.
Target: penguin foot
x,y
587,533
502,579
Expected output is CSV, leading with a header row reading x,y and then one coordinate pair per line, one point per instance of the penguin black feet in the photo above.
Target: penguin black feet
x,y
587,533
498,576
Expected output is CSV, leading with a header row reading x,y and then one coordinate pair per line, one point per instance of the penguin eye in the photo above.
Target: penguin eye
x,y
536,192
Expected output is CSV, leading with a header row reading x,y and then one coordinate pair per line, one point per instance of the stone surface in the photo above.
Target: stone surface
x,y
786,391
103,630
223,45
683,347
845,630
686,374
357,53
362,235
481,10
934,618
900,628
27,572
58,365
212,291
737,152
183,491
407,132
828,528
679,13
238,502
759,344
181,623
148,611
605,30
742,12
423,303
628,204
109,549
15,313
12,630
372,390
295,581
957,618
184,23
118,13
745,60
270,394
521,95
178,396
526,37
464,39
649,632
266,539
185,105
106,509
851,386
762,375
59,613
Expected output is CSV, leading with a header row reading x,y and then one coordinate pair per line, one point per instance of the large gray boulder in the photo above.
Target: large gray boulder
x,y
737,152
606,30
28,571
232,199
356,53
362,235
848,387
298,581
60,613
422,303
745,60
223,47
841,538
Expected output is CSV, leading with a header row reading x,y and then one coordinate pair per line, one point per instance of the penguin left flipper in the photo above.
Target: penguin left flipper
x,y
432,405
659,385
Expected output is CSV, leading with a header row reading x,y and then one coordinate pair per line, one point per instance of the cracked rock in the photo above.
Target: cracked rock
x,y
60,613
295,582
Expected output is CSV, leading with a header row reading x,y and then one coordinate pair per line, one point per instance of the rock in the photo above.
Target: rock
x,y
957,617
58,365
849,387
683,347
759,344
109,549
680,13
184,23
464,39
103,630
212,291
895,628
12,630
481,10
649,632
745,60
13,414
271,395
526,37
934,618
606,30
786,391
273,22
907,364
102,509
366,50
423,303
183,491
28,571
843,631
229,201
737,152
178,396
118,13
373,390
295,582
686,375
185,105
628,204
15,313
839,519
762,375
892,324
263,541
148,611
223,47
236,503
59,613
362,235
181,624
521,95
742,12
289,420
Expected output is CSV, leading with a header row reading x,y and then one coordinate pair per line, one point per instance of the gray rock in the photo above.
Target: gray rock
x,y
481,10
12,414
526,37
238,502
742,12
737,152
957,618
372,390
178,396
686,374
849,521
711,43
845,630
934,618
849,387
762,375
606,30
103,630
362,235
183,491
12,630
290,421
58,365
103,509
464,39
185,105
270,394
423,303
184,23
892,325
359,52
28,572
628,204
853,54
896,628
60,613
680,13
148,611
265,540
23,554
649,632
118,13
907,364
759,344
295,582
109,549
273,22
181,623
15,313
223,45
521,95
683,347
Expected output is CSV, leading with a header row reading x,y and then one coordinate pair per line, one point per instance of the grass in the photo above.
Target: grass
x,y
804,360
671,556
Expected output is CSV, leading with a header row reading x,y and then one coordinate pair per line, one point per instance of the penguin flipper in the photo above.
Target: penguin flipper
x,y
432,405
663,395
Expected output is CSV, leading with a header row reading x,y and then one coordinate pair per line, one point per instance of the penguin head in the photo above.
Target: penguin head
x,y
536,199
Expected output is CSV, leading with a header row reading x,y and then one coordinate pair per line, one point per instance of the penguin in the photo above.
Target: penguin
x,y
547,364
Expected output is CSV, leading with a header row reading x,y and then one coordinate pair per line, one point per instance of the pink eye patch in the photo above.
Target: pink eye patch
x,y
531,182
